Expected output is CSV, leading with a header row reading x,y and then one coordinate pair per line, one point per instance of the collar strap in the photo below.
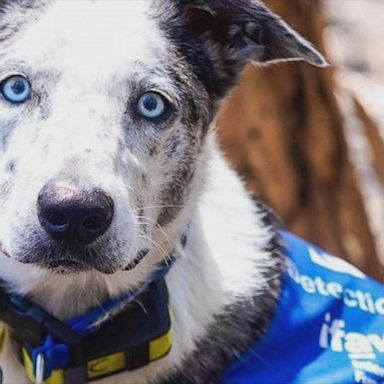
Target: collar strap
x,y
132,339
91,346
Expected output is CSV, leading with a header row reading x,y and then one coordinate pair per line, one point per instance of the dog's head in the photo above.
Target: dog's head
x,y
105,110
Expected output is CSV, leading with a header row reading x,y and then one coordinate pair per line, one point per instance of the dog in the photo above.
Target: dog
x,y
118,209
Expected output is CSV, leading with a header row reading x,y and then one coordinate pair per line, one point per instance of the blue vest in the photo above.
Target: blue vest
x,y
328,328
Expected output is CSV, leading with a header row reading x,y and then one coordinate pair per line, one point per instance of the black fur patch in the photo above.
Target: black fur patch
x,y
218,37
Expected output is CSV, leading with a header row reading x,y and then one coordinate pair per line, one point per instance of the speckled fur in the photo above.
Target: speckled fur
x,y
88,65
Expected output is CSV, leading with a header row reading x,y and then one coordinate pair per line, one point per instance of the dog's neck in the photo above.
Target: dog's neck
x,y
223,261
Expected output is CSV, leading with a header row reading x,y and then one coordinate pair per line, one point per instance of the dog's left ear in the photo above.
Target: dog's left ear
x,y
233,32
248,30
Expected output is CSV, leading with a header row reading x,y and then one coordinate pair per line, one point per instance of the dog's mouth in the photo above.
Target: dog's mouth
x,y
69,265
75,265
72,266
137,260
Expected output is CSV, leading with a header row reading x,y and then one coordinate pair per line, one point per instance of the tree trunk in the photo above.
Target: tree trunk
x,y
283,130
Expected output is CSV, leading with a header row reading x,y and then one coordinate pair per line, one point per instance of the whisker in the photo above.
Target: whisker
x,y
157,206
158,226
158,247
206,164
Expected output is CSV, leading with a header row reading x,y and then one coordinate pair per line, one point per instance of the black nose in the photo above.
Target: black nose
x,y
73,217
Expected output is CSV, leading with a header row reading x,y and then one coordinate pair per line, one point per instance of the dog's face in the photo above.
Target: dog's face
x,y
104,112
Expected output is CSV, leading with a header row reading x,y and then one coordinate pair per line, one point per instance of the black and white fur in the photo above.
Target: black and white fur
x,y
88,62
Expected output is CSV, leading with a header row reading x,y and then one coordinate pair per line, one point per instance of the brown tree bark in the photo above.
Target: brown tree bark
x,y
372,133
283,130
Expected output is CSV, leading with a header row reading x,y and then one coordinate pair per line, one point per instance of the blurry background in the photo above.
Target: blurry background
x,y
310,141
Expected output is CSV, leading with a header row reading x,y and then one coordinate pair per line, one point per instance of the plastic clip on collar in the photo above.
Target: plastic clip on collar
x,y
39,371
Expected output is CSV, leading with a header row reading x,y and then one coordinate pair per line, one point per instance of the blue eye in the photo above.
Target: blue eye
x,y
152,106
16,89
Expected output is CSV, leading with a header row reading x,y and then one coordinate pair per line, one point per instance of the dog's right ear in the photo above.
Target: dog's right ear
x,y
233,32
